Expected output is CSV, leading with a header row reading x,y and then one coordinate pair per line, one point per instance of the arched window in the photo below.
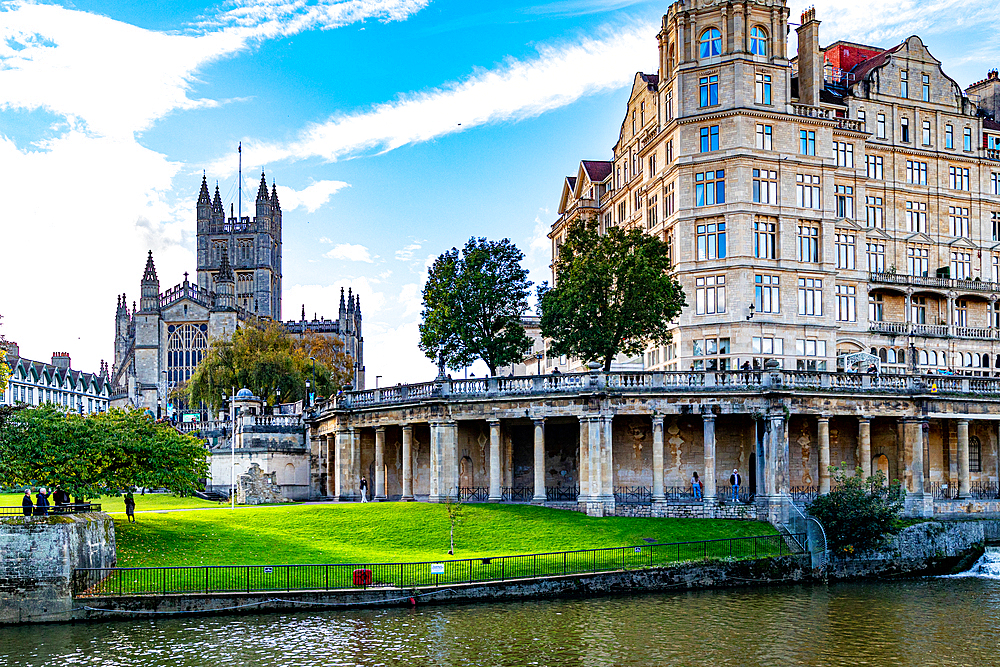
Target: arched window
x,y
882,355
968,360
900,356
758,41
711,43
923,357
975,454
986,361
186,346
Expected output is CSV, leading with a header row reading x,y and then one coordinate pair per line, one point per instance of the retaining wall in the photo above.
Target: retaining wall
x,y
37,558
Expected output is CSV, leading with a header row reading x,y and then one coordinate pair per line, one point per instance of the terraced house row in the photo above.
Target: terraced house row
x,y
844,199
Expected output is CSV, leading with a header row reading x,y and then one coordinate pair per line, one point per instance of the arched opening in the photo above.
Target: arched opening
x,y
881,464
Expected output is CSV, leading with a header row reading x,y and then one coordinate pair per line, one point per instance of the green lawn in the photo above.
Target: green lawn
x,y
149,502
388,532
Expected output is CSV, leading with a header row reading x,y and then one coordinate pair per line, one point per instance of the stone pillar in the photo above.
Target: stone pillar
x,y
496,474
539,467
963,458
776,455
354,473
434,491
865,446
450,446
709,442
823,436
594,433
407,462
342,470
607,460
913,439
658,491
379,463
583,465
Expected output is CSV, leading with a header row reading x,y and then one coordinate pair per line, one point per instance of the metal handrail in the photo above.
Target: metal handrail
x,y
208,579
72,508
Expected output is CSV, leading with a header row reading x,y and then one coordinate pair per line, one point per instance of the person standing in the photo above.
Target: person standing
x,y
696,486
735,481
364,490
26,505
130,507
41,502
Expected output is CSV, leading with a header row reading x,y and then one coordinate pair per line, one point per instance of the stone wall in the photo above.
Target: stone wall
x,y
38,556
689,511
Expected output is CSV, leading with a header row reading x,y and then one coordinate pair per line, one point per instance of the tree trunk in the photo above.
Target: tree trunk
x,y
452,538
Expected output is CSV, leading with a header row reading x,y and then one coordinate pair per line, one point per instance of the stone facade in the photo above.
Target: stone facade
x,y
615,440
848,195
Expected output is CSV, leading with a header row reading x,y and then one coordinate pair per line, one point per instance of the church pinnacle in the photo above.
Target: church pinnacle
x,y
262,194
203,197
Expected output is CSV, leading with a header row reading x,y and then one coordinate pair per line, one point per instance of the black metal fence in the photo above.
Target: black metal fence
x,y
73,508
473,494
634,495
518,494
977,490
272,578
562,493
804,494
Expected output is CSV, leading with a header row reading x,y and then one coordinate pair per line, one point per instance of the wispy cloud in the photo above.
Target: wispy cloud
x,y
406,253
349,252
310,198
515,90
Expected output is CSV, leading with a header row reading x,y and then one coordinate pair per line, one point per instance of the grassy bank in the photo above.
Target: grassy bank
x,y
148,502
389,532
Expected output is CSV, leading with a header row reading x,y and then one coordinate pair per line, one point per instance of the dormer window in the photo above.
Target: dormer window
x,y
758,41
711,43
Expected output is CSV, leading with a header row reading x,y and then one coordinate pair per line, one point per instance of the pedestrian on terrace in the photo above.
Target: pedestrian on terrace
x,y
26,504
41,502
364,490
696,486
735,481
130,507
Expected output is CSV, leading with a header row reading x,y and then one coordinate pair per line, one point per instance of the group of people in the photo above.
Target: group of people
x,y
41,504
735,482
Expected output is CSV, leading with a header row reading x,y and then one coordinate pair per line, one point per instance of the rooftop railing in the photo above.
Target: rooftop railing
x,y
665,381
892,278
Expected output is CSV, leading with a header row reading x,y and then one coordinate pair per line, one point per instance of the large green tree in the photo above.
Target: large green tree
x,y
102,453
264,358
859,514
473,303
613,294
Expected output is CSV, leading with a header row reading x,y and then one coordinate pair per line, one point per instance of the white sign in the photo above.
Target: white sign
x,y
268,570
437,568
638,550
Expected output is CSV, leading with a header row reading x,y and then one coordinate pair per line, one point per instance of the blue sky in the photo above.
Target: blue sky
x,y
394,129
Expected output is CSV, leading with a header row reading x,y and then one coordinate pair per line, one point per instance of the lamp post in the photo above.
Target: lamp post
x,y
752,309
538,363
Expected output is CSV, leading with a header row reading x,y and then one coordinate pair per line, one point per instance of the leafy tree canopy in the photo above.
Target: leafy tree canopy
x,y
859,514
4,366
473,303
264,358
102,453
613,294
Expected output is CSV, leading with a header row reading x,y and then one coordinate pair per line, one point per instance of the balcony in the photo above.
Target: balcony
x,y
807,111
927,281
934,330
992,154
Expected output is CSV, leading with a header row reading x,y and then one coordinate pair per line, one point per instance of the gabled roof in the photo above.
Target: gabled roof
x,y
990,124
963,243
597,170
862,69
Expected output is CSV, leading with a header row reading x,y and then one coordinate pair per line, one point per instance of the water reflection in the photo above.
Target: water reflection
x,y
927,622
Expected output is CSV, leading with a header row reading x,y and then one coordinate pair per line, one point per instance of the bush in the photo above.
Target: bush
x,y
859,514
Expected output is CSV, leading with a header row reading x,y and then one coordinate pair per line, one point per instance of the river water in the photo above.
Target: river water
x,y
941,621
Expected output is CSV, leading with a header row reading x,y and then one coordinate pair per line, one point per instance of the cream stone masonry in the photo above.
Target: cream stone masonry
x,y
844,200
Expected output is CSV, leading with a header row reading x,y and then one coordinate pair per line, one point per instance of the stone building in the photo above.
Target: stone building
x,y
160,341
839,200
38,382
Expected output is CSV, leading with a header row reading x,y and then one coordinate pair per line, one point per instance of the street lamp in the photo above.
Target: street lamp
x,y
538,363
750,316
377,378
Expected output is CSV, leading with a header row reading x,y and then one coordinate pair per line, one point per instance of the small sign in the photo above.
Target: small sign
x,y
638,550
437,568
268,570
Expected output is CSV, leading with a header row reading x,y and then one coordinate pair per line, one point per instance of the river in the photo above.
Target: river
x,y
940,621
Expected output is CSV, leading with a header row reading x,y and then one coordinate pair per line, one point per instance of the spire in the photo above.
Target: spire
x,y
149,275
350,301
357,307
262,190
343,308
203,195
217,201
274,197
225,269
303,312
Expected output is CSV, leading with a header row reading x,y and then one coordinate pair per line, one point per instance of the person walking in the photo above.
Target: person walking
x,y
41,502
696,486
130,507
735,481
364,490
26,505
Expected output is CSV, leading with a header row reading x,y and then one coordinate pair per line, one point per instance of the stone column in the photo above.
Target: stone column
x,y
450,446
355,464
607,460
963,458
496,474
379,463
823,436
865,446
594,433
583,465
407,462
539,495
709,442
913,439
658,494
435,464
342,469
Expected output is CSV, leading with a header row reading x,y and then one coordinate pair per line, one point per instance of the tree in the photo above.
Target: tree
x,y
613,293
102,453
456,512
4,366
859,514
330,353
473,303
264,358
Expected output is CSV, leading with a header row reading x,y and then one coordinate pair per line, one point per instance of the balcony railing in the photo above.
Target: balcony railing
x,y
934,330
889,278
808,111
992,154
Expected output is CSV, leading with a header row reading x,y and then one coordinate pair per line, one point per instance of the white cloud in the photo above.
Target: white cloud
x,y
349,252
406,254
516,90
310,198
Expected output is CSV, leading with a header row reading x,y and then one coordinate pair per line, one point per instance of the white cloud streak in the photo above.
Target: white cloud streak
x,y
349,252
516,90
310,198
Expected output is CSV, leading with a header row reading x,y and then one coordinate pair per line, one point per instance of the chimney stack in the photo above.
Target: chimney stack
x,y
61,360
810,59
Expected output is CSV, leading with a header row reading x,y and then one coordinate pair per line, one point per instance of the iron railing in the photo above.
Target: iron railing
x,y
518,494
208,579
562,493
473,494
804,494
634,495
977,490
73,508
680,493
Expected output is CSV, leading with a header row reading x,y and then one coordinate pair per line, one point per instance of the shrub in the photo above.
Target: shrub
x,y
859,514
